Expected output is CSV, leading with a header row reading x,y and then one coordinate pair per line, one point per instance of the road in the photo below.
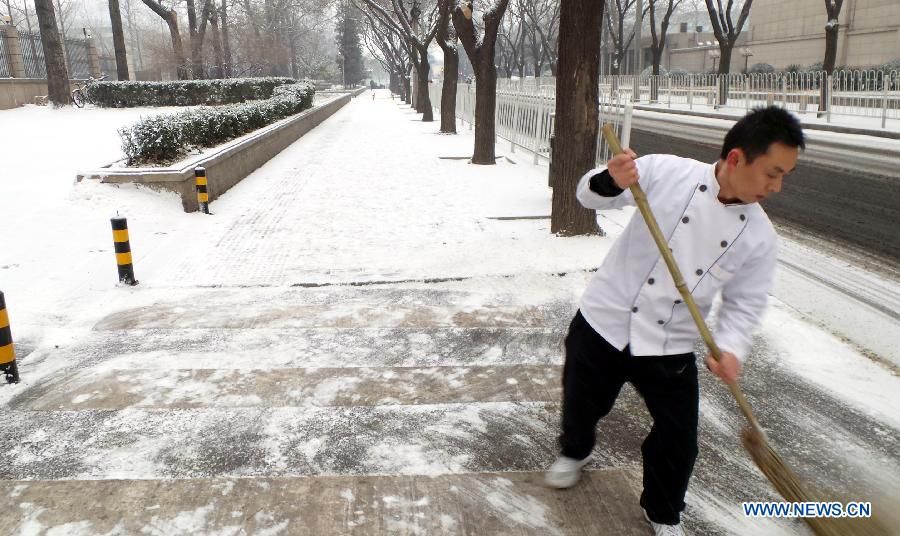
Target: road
x,y
861,212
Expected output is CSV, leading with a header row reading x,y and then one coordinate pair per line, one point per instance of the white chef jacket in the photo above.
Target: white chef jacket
x,y
632,299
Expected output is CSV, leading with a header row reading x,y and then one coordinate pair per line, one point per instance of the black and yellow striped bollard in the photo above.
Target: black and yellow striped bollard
x,y
202,189
123,250
7,352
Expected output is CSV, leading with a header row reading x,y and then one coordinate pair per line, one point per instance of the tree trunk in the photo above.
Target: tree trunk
x,y
57,74
831,42
394,83
654,80
196,42
171,19
423,100
448,91
485,109
295,66
115,17
575,136
407,85
724,69
27,18
226,46
197,26
725,60
481,53
138,57
184,71
414,82
448,42
63,31
217,44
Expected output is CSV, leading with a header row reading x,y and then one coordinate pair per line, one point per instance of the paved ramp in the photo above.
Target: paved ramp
x,y
216,415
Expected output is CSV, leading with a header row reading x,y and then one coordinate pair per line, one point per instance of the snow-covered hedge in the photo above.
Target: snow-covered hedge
x,y
182,92
166,138
893,65
761,68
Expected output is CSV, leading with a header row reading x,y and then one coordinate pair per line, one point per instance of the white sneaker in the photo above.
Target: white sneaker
x,y
660,529
565,472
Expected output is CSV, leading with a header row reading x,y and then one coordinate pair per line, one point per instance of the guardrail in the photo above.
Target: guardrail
x,y
524,116
525,119
873,93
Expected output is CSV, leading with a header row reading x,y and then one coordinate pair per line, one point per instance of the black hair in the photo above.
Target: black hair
x,y
756,131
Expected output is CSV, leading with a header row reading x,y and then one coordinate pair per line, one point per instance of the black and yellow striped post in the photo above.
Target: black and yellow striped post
x,y
202,189
123,250
7,352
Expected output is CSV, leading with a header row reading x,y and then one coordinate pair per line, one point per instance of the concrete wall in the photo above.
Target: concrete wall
x,y
231,164
15,92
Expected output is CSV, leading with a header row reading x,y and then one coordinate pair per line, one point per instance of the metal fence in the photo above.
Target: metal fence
x,y
851,94
76,51
872,94
33,55
524,115
5,69
77,58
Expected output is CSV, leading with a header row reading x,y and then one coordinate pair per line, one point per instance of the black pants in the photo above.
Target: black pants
x,y
593,375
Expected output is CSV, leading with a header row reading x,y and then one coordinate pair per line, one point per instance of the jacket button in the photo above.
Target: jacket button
x,y
685,219
660,322
743,217
634,309
702,187
723,243
699,271
651,281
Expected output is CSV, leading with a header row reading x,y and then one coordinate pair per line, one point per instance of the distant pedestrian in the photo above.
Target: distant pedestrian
x,y
632,325
373,95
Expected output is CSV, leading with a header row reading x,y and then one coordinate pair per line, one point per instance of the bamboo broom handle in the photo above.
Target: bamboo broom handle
x,y
641,198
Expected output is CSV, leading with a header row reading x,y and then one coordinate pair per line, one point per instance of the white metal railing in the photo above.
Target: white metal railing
x,y
872,94
869,94
525,112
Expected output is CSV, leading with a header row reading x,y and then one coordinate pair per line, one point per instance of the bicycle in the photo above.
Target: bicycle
x,y
78,96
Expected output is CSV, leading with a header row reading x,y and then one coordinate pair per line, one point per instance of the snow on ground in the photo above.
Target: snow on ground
x,y
383,207
57,264
56,243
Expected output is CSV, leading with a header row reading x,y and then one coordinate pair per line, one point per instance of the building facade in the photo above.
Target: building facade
x,y
783,33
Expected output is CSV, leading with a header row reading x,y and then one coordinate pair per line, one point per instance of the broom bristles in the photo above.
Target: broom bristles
x,y
789,486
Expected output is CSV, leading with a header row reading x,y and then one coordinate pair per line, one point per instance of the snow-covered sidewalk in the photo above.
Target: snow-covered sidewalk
x,y
353,308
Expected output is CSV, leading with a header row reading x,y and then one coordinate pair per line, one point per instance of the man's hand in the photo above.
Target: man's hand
x,y
729,368
623,169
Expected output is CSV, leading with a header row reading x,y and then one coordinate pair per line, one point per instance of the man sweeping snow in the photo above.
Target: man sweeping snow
x,y
632,325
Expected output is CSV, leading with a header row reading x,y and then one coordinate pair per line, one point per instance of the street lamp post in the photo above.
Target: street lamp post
x,y
746,53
